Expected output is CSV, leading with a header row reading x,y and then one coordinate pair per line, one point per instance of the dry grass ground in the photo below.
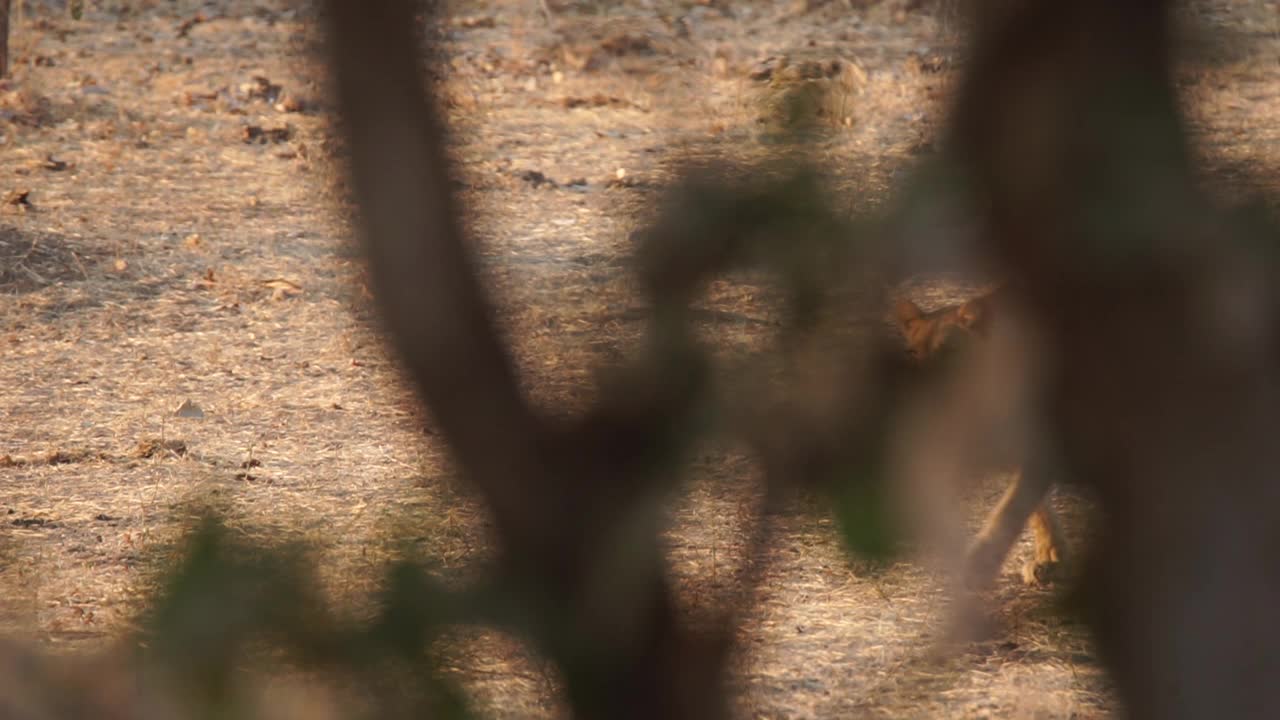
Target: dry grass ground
x,y
167,251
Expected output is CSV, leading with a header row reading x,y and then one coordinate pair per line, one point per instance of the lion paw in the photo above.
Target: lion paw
x,y
1043,573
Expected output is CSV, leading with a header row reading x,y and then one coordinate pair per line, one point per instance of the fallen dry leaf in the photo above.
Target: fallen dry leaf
x,y
261,88
282,283
185,27
189,409
256,135
150,447
281,288
289,104
17,200
472,22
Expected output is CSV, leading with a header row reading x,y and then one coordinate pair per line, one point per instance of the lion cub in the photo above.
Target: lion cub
x,y
926,333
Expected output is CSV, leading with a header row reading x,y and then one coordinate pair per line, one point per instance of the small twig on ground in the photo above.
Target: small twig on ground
x,y
542,6
33,274
84,273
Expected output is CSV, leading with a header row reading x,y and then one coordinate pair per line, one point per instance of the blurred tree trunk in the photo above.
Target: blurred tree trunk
x,y
4,38
576,522
1162,314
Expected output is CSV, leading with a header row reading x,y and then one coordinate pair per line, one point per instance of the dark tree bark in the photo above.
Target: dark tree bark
x,y
565,497
1162,315
4,38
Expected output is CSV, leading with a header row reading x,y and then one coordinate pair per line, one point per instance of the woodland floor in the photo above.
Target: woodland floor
x,y
184,240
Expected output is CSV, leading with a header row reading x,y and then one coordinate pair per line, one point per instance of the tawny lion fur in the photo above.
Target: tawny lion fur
x,y
1026,500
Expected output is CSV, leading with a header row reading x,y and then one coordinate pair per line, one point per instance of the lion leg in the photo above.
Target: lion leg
x,y
1050,555
986,555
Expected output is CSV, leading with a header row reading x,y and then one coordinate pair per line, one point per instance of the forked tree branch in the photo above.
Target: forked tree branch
x,y
422,263
573,502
